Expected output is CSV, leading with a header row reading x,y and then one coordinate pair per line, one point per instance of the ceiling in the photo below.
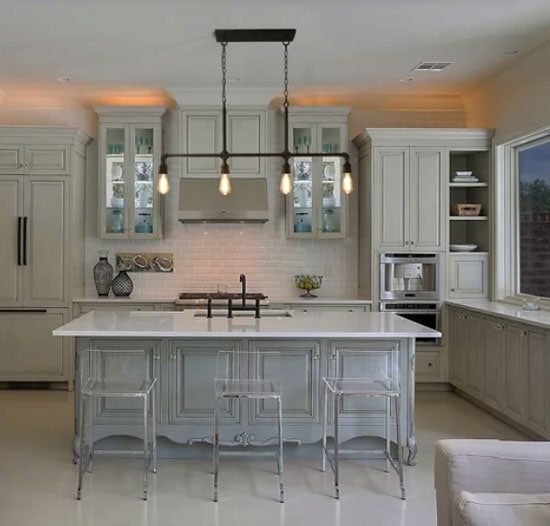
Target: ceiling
x,y
345,51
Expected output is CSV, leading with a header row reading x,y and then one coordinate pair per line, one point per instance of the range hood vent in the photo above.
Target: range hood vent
x,y
201,202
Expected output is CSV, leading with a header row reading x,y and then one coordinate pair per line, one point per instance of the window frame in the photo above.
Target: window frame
x,y
506,280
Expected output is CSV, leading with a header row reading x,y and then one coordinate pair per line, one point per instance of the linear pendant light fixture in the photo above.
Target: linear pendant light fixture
x,y
225,36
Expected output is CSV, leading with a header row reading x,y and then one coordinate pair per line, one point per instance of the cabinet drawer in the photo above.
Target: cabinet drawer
x,y
428,365
328,308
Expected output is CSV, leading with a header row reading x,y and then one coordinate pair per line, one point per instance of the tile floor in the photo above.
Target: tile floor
x,y
38,479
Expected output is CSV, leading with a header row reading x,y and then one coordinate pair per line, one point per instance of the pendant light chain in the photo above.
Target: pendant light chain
x,y
224,99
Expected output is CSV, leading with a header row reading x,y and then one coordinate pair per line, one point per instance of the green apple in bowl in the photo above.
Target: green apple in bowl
x,y
308,282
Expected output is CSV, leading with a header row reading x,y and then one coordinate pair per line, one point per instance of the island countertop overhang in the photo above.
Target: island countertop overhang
x,y
300,325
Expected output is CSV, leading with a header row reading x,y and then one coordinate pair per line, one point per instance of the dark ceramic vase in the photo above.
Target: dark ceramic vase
x,y
103,274
122,284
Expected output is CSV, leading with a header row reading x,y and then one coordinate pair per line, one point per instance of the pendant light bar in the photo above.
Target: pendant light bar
x,y
285,36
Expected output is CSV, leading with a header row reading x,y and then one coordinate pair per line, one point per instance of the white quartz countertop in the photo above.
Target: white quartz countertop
x,y
541,318
300,325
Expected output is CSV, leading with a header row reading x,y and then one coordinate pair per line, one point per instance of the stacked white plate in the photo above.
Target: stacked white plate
x,y
468,247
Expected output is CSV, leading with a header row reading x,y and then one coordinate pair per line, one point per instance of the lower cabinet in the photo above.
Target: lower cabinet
x,y
29,351
468,275
504,364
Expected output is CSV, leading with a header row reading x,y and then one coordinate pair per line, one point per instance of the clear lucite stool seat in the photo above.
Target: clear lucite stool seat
x,y
97,386
230,383
385,385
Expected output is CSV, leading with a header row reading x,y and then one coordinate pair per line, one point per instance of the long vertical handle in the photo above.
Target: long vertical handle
x,y
25,219
19,240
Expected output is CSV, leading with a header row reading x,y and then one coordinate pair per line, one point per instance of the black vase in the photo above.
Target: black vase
x,y
122,284
103,274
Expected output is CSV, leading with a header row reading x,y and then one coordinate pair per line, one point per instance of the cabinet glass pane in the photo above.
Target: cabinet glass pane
x,y
115,180
144,181
332,176
301,140
330,140
302,192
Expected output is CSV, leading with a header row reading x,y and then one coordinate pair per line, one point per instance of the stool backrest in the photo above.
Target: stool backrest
x,y
374,363
248,365
116,365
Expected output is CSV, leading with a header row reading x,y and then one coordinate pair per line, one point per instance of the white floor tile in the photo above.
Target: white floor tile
x,y
38,478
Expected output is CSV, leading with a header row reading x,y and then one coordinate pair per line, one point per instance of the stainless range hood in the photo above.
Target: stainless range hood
x,y
201,202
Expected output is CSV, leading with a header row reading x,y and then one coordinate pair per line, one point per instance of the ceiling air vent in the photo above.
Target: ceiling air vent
x,y
432,66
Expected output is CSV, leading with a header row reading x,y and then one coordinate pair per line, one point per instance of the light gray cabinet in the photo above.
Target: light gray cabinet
x,y
191,370
28,351
317,207
504,364
34,159
129,152
35,212
202,133
468,275
300,369
408,199
42,256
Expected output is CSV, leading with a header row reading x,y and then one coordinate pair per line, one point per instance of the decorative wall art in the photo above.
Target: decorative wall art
x,y
142,262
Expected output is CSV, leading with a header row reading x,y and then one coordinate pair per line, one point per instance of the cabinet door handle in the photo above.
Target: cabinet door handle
x,y
499,327
19,240
25,240
412,242
452,290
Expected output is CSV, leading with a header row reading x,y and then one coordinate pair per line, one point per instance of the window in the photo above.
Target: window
x,y
522,234
533,162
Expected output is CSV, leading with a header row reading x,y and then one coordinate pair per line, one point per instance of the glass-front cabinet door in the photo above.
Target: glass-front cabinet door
x,y
316,206
129,156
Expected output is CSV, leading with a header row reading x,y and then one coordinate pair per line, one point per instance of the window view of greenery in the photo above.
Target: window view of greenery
x,y
534,219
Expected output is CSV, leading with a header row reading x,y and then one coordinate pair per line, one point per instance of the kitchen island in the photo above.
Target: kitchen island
x,y
184,347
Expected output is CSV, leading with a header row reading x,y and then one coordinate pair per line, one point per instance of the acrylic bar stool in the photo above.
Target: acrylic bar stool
x,y
375,375
98,384
248,375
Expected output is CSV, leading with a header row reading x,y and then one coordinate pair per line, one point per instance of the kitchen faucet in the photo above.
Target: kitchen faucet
x,y
243,306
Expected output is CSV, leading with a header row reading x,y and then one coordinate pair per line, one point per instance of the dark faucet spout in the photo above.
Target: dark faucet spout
x,y
242,279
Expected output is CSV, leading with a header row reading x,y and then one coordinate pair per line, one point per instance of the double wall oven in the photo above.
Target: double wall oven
x,y
410,287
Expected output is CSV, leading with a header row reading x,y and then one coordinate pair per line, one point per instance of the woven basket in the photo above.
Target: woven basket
x,y
465,210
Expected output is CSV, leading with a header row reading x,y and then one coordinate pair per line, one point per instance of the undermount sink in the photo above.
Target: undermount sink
x,y
266,313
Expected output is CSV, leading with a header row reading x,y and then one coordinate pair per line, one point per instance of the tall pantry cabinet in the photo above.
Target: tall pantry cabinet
x,y
42,257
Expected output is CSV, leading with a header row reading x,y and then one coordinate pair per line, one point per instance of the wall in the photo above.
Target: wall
x,y
206,255
514,101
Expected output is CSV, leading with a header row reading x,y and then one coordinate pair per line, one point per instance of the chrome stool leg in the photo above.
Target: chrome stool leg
x,y
216,446
82,458
325,426
154,426
280,453
145,447
336,447
399,445
388,442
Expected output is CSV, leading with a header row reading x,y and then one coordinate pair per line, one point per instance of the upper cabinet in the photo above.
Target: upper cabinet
x,y
35,159
202,133
317,207
129,157
408,188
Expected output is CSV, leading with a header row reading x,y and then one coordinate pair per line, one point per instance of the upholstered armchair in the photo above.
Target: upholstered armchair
x,y
492,483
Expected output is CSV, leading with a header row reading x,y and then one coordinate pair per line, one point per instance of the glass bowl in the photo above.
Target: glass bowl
x,y
308,283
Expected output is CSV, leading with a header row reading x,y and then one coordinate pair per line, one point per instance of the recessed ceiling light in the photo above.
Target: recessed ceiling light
x,y
406,80
63,79
511,52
